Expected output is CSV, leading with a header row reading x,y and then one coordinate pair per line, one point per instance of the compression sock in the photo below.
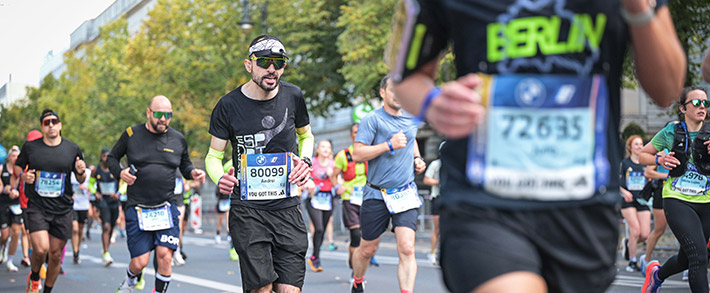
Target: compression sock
x,y
161,283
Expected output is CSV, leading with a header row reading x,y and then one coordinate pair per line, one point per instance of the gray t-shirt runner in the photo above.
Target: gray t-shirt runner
x,y
388,170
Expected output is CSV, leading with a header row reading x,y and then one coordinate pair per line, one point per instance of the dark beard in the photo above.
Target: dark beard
x,y
155,126
263,86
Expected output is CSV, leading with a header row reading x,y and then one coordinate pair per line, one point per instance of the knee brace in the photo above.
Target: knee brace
x,y
355,237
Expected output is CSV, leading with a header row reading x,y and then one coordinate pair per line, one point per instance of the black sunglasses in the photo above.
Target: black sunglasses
x,y
54,121
697,102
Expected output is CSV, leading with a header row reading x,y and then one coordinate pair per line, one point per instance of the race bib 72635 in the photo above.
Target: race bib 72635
x,y
544,137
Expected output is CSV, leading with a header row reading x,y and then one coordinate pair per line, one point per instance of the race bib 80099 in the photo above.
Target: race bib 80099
x,y
544,137
265,176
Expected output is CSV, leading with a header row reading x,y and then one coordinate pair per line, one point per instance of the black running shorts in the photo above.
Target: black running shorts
x,y
375,218
271,245
573,249
351,214
80,216
59,226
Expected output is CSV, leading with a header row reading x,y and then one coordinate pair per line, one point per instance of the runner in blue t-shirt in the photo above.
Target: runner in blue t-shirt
x,y
386,139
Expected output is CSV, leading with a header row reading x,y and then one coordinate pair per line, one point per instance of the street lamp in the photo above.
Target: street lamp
x,y
246,22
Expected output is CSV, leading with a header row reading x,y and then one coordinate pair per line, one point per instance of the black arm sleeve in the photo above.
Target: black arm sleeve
x,y
117,152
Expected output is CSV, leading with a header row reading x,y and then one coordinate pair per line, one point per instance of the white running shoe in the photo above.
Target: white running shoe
x,y
11,267
177,259
107,259
432,258
217,239
125,288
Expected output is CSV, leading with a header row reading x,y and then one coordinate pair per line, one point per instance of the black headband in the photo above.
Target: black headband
x,y
46,114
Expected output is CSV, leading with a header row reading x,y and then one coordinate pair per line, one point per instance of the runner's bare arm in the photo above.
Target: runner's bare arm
x,y
364,153
658,55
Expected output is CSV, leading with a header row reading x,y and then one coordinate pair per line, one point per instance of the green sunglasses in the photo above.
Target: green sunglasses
x,y
265,62
697,102
167,115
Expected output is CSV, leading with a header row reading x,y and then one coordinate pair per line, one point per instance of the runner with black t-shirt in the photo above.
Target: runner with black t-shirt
x,y
529,169
104,186
634,208
261,119
48,163
153,151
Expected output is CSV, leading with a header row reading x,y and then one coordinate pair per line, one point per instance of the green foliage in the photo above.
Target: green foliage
x,y
691,19
366,27
632,129
193,52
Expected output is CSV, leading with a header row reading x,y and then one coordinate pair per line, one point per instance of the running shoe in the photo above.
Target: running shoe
x,y
643,265
32,286
652,284
632,267
141,281
178,261
685,275
76,259
432,258
61,270
26,262
88,235
113,238
125,287
315,264
229,239
11,267
626,248
373,262
233,256
217,239
332,247
357,287
107,259
122,233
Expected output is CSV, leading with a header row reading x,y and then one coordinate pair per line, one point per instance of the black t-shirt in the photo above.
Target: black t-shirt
x,y
260,127
52,190
631,176
105,178
156,157
5,197
574,37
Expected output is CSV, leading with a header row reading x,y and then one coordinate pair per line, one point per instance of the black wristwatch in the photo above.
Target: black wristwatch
x,y
308,161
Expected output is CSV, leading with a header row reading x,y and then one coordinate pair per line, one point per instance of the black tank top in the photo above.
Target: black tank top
x,y
4,197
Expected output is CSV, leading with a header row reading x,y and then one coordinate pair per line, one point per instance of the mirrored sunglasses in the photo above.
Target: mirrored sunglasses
x,y
265,62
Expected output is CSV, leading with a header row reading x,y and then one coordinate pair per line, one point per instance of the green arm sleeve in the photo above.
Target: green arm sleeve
x,y
213,164
305,145
92,185
122,187
228,165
